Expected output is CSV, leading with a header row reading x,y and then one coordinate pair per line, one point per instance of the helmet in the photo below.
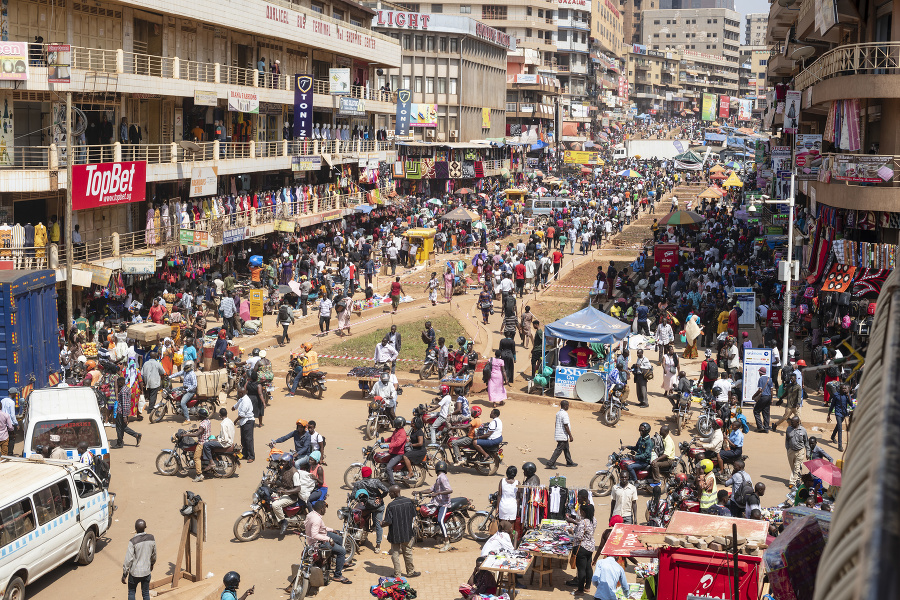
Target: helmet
x,y
801,363
91,365
644,428
256,352
231,580
680,479
706,465
529,469
229,356
360,494
440,466
716,391
203,413
399,422
476,411
418,423
306,346
719,423
445,389
461,341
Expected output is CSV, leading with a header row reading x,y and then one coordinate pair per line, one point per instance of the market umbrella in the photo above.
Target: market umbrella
x,y
461,214
464,191
538,173
733,164
435,201
541,190
478,225
717,169
711,192
295,286
733,181
682,217
824,470
629,173
485,196
718,176
563,192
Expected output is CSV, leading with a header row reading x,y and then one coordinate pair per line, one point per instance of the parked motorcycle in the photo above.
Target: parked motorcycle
x,y
313,382
180,459
708,412
426,525
681,496
170,400
430,367
378,419
261,516
695,454
611,409
377,458
314,571
603,482
480,524
357,524
237,377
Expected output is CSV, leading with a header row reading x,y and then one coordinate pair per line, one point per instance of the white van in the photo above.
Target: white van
x,y
537,207
72,413
51,511
619,152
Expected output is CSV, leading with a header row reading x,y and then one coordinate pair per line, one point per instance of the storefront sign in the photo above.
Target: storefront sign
x,y
754,358
243,102
303,106
59,59
724,106
351,107
338,81
205,98
108,184
402,20
404,110
233,235
526,78
306,163
13,61
256,304
792,112
666,256
7,134
332,215
709,107
625,540
485,118
204,181
575,157
864,168
284,226
318,33
423,115
193,237
808,156
99,275
139,265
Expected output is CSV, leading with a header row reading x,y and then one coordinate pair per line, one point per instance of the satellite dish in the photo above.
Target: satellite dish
x,y
188,145
802,52
591,387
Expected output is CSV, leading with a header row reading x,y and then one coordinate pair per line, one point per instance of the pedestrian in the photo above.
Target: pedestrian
x,y
433,288
537,348
121,411
643,371
763,398
839,405
563,436
584,537
496,384
8,407
791,399
507,505
623,499
152,373
448,284
796,442
285,319
525,327
245,422
396,293
609,574
507,349
7,431
139,561
399,516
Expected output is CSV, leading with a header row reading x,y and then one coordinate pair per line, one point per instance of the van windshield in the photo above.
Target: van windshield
x,y
70,431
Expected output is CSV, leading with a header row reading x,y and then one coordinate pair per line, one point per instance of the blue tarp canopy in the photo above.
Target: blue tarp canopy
x,y
715,137
540,144
589,325
364,208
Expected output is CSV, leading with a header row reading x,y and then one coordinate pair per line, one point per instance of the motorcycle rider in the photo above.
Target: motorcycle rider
x,y
374,504
616,377
664,460
288,487
706,484
397,448
384,389
735,445
466,440
429,336
317,531
189,386
492,437
529,470
642,450
309,362
442,414
224,440
232,581
202,434
440,493
680,387
712,443
302,445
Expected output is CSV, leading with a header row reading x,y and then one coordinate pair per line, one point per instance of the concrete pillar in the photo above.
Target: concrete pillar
x,y
255,78
174,152
252,149
284,147
117,152
120,61
216,150
176,68
54,157
218,69
889,127
115,243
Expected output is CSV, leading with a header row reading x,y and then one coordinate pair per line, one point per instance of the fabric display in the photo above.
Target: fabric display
x,y
842,125
456,171
427,168
413,169
441,169
503,596
869,281
866,255
468,169
478,167
511,561
393,588
548,539
533,506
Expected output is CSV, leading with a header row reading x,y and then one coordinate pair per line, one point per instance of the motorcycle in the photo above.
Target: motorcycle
x,y
171,400
426,525
377,458
709,406
261,516
180,459
430,367
313,382
611,409
237,377
696,454
480,524
314,571
470,457
680,497
378,419
604,480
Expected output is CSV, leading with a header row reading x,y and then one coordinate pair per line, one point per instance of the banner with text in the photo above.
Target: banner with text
x,y
303,106
204,181
709,107
108,184
423,115
724,106
744,110
404,108
243,102
792,112
338,81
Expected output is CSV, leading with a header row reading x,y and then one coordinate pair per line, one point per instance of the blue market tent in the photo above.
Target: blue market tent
x,y
589,325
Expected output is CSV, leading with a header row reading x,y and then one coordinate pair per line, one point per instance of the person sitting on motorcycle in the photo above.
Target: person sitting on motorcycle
x,y
384,389
397,448
224,440
706,484
318,474
734,443
642,450
417,452
440,493
309,362
664,460
681,387
492,437
712,443
442,415
617,376
466,440
302,445
287,486
318,532
190,386
201,432
374,491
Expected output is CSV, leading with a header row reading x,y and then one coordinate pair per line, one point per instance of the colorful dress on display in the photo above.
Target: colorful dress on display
x,y
166,224
151,232
157,224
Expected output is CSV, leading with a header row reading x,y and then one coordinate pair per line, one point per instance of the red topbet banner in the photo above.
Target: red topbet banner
x,y
108,184
724,106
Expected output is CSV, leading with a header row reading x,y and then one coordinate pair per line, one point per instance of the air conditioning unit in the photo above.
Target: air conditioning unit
x,y
429,133
454,135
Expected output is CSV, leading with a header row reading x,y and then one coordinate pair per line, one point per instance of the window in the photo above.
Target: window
x,y
419,42
442,85
395,82
319,8
338,15
429,43
407,42
761,75
87,484
540,12
764,62
528,32
453,82
465,9
406,80
418,89
429,85
356,22
443,44
528,11
562,35
656,22
53,501
563,13
411,7
492,11
70,431
437,8
16,521
454,45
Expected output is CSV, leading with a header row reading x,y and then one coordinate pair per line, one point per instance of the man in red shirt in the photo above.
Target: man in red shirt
x,y
582,355
397,448
733,321
557,263
157,312
519,270
706,368
551,238
396,292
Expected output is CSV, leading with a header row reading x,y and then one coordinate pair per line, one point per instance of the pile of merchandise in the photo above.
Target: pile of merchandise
x,y
393,588
550,538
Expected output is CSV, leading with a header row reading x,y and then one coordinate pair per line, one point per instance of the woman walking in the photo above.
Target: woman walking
x,y
670,369
496,385
486,304
343,307
692,332
432,289
448,284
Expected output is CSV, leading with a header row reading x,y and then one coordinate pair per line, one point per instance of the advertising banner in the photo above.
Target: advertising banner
x,y
745,110
205,98
108,184
566,378
724,106
7,135
404,110
754,358
204,181
303,106
485,118
192,237
284,226
59,59
423,115
666,256
139,265
862,168
243,102
526,78
808,156
338,81
256,304
306,163
99,274
13,61
351,107
709,107
574,157
233,235
792,112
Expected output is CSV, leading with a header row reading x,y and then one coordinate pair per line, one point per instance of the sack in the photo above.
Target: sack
x,y
486,371
648,374
712,371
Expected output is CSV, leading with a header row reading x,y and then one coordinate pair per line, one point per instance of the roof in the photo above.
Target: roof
x,y
55,403
20,474
589,325
20,276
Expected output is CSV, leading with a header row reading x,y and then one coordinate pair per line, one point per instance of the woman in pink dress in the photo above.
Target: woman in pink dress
x,y
496,386
448,284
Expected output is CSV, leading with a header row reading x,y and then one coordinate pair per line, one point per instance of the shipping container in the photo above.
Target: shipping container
x,y
29,335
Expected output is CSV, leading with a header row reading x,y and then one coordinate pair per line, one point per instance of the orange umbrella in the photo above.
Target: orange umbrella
x,y
718,176
464,191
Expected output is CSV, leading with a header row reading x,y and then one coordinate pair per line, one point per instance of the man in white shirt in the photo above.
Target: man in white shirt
x,y
442,413
388,393
623,499
225,439
246,422
385,354
494,435
563,436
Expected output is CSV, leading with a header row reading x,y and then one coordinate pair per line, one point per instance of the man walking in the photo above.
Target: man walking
x,y
245,422
796,442
152,372
563,436
763,397
642,369
8,407
398,516
791,399
139,560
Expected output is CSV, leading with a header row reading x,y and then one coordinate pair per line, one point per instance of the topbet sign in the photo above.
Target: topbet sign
x,y
108,184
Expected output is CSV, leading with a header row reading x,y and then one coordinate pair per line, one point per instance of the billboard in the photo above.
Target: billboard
x,y
204,181
724,106
792,112
338,81
13,60
423,115
108,184
303,106
709,107
744,110
404,110
574,157
59,59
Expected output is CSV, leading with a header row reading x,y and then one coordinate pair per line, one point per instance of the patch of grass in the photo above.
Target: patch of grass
x,y
411,347
547,312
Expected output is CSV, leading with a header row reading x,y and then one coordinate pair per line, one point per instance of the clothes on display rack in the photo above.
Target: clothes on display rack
x,y
842,125
551,537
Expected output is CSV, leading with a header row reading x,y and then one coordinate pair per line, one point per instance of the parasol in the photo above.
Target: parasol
x,y
541,190
464,191
711,192
824,470
538,173
461,214
585,170
718,176
628,173
435,201
733,181
485,196
295,286
285,289
682,217
717,169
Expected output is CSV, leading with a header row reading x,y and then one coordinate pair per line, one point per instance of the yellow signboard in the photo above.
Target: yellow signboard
x,y
574,157
256,304
485,118
284,226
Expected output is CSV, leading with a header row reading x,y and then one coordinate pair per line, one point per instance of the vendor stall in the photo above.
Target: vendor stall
x,y
582,345
366,377
551,540
459,383
423,239
507,567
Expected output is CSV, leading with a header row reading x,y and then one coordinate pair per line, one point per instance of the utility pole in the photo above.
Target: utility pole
x,y
69,227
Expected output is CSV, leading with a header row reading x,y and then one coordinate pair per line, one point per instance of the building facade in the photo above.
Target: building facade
x,y
714,31
755,29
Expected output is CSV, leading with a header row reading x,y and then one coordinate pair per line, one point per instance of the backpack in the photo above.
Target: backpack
x,y
283,315
486,371
743,492
101,469
712,371
658,445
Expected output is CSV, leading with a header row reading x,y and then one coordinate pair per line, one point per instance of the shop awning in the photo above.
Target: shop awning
x,y
589,325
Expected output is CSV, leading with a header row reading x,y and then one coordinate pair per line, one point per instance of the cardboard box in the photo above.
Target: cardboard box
x,y
148,333
209,383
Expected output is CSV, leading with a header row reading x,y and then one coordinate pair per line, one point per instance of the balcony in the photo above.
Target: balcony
x,y
881,195
573,23
852,67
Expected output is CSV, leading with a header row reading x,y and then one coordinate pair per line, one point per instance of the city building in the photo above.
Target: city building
x,y
679,4
572,59
455,68
753,74
755,25
713,31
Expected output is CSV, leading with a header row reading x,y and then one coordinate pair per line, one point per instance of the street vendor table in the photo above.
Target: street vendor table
x,y
507,569
366,377
551,540
459,384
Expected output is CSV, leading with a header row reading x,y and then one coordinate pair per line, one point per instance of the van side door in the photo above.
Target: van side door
x,y
93,500
57,518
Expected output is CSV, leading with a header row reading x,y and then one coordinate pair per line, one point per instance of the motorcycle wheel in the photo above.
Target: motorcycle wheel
x,y
247,528
495,465
426,371
225,466
158,413
371,429
166,463
352,475
456,527
417,477
434,455
484,468
349,545
681,423
319,391
210,408
610,415
704,425
288,379
602,484
300,587
479,527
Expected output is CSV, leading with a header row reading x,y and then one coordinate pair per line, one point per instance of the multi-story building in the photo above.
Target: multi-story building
x,y
573,50
753,74
713,31
531,104
755,29
454,66
678,4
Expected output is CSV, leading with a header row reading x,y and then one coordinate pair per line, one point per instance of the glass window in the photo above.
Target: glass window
x,y
16,520
316,7
454,45
356,22
429,85
407,42
429,43
453,82
437,8
70,432
465,9
540,12
442,85
338,15
395,82
443,44
406,81
418,89
420,42
562,35
87,484
53,501
563,13
491,11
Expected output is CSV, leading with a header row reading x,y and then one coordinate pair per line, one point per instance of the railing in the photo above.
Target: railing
x,y
511,107
877,58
